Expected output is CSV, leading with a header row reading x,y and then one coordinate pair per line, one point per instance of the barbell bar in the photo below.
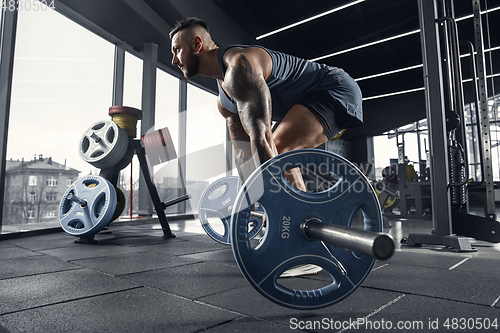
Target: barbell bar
x,y
375,245
71,196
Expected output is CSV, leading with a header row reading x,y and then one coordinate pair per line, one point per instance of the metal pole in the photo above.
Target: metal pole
x,y
479,153
457,76
150,59
118,75
7,46
485,137
434,98
372,244
182,141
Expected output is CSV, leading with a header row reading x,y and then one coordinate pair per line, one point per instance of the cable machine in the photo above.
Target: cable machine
x,y
446,122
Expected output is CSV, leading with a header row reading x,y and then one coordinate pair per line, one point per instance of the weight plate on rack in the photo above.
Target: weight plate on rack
x,y
283,245
87,220
214,207
103,145
129,155
120,204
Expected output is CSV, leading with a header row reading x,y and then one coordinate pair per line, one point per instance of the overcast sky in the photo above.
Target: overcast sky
x,y
63,84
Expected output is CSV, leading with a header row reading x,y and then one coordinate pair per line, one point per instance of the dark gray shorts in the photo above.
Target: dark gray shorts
x,y
332,112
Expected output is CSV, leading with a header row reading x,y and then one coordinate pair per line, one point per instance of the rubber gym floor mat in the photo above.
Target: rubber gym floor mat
x,y
248,301
136,310
134,262
471,287
419,313
184,247
32,265
224,256
73,251
192,281
44,289
42,242
250,325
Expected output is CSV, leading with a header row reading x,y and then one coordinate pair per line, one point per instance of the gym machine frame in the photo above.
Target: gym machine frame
x,y
443,219
484,228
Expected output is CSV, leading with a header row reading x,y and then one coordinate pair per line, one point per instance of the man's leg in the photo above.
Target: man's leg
x,y
299,129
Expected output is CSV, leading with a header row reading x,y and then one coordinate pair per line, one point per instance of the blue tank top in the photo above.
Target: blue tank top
x,y
291,79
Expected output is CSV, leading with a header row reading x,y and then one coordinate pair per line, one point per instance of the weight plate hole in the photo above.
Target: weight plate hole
x,y
110,135
219,192
255,228
316,179
91,183
357,220
85,144
67,204
98,126
96,153
99,205
216,224
320,278
76,224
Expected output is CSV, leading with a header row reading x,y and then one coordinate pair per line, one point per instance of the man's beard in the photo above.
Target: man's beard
x,y
192,66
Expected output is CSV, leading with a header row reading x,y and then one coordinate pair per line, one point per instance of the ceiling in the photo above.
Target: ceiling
x,y
137,22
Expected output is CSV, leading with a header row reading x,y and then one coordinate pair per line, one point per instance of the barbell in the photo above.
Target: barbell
x,y
317,228
214,210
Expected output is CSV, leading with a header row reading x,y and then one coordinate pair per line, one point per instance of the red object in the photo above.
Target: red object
x,y
131,191
119,109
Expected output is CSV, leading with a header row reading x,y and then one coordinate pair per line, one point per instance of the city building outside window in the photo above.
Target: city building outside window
x,y
32,181
51,181
50,196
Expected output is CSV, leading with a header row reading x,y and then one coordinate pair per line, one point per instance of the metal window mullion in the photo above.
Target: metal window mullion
x,y
150,60
7,48
118,75
182,141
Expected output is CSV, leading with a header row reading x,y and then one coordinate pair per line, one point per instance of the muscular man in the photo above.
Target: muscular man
x,y
310,101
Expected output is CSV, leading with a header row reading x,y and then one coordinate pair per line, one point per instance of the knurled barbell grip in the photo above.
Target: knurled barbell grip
x,y
373,244
76,199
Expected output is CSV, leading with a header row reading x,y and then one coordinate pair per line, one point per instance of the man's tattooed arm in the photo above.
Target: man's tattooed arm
x,y
241,143
242,150
247,86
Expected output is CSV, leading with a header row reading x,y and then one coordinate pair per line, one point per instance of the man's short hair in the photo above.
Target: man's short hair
x,y
189,22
